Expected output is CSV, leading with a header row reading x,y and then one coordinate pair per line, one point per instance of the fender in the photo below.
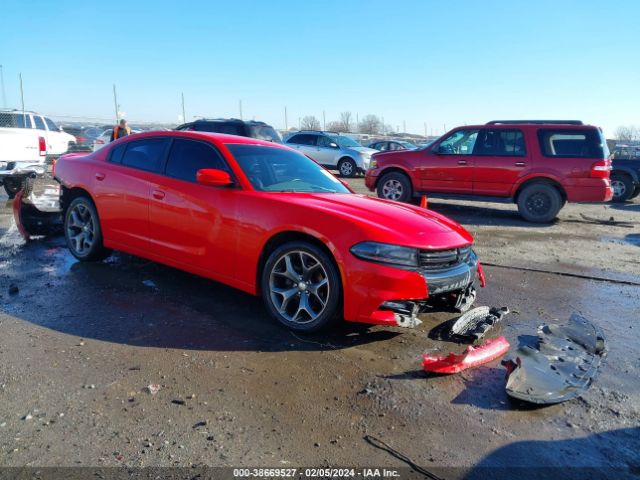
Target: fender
x,y
395,166
535,175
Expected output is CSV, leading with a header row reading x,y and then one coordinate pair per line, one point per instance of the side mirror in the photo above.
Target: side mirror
x,y
333,145
213,177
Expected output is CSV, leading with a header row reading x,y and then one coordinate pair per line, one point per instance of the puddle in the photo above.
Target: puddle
x,y
630,239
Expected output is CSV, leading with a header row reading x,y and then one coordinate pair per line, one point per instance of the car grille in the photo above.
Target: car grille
x,y
433,260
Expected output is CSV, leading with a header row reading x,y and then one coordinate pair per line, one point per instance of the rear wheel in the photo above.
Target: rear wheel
x,y
622,186
395,186
347,167
539,202
12,185
82,231
635,193
301,287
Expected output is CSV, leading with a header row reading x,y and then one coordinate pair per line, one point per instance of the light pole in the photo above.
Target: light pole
x,y
4,94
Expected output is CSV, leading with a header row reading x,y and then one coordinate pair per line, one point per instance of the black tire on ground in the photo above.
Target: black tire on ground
x,y
395,186
539,202
635,193
12,185
623,188
83,232
347,168
301,287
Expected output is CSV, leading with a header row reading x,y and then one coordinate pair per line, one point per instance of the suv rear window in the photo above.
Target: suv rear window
x,y
303,139
265,132
219,127
572,143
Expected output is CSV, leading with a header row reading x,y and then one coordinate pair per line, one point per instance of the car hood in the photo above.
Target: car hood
x,y
386,221
368,150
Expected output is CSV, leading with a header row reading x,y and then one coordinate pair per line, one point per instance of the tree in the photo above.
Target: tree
x,y
627,133
345,120
335,127
310,123
370,124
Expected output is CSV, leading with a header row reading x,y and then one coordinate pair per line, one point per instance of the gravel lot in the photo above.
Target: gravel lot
x,y
80,342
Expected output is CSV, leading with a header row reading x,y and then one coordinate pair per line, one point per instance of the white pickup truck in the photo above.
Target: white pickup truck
x,y
27,140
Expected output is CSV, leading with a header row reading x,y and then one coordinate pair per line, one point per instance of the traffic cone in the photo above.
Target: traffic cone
x,y
423,202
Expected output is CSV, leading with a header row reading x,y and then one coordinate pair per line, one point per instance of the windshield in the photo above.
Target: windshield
x,y
272,169
345,142
266,133
407,145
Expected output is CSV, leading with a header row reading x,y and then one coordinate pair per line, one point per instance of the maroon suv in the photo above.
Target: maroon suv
x,y
537,164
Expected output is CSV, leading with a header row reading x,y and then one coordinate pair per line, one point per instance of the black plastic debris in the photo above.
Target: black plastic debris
x,y
562,366
37,216
475,323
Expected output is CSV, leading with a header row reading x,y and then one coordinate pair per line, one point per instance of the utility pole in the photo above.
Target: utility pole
x,y
184,115
22,94
4,94
286,125
404,126
384,129
324,121
115,101
240,104
425,130
357,123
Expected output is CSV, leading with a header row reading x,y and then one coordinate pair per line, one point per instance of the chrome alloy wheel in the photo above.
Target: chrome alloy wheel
x,y
299,287
619,188
81,229
392,190
346,168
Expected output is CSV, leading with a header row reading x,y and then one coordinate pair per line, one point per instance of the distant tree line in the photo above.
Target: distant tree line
x,y
370,124
628,133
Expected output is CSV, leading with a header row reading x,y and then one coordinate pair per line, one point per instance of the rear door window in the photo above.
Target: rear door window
x,y
188,156
39,122
501,142
219,127
572,143
146,154
14,120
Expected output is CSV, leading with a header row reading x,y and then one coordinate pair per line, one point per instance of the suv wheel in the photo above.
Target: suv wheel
x,y
347,167
301,287
395,186
622,187
82,231
539,202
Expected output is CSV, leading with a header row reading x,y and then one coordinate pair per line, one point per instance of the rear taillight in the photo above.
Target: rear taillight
x,y
42,146
601,169
97,141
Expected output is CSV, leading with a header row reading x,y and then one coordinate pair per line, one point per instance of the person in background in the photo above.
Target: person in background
x,y
120,130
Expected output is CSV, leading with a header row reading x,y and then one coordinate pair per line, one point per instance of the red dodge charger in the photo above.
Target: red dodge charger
x,y
268,220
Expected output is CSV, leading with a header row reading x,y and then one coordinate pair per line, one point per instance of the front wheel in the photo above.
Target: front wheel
x,y
347,167
82,231
395,186
539,203
301,287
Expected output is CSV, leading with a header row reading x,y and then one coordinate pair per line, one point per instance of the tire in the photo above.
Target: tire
x,y
635,193
12,185
395,186
347,168
539,202
303,301
623,188
82,231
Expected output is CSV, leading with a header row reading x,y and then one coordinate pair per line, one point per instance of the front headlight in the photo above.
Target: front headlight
x,y
385,253
373,163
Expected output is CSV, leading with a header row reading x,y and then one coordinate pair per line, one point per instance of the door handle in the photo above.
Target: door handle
x,y
158,194
462,162
100,176
520,164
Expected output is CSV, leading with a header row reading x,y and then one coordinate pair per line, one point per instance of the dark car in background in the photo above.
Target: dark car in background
x,y
234,126
392,145
625,172
85,136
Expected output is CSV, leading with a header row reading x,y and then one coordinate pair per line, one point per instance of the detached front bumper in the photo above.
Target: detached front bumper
x,y
394,297
12,169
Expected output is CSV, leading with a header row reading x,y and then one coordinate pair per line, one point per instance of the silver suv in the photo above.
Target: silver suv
x,y
332,150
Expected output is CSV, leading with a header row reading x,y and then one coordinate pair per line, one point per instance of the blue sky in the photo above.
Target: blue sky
x,y
439,62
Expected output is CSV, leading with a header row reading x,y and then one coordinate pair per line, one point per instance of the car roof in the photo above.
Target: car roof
x,y
569,124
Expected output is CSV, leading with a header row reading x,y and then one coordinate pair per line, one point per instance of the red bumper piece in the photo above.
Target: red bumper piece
x,y
483,281
471,357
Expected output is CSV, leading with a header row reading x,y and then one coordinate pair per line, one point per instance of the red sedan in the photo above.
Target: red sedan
x,y
265,219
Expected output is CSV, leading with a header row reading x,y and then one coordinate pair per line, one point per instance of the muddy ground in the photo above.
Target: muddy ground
x,y
80,342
